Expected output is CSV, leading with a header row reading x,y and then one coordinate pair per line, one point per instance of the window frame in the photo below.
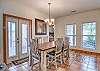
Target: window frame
x,y
74,35
87,35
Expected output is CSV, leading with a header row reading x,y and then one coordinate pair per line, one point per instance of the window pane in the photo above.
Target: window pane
x,y
11,39
70,40
69,29
24,38
89,28
89,42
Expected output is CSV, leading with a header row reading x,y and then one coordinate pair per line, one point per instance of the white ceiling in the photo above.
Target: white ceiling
x,y
62,7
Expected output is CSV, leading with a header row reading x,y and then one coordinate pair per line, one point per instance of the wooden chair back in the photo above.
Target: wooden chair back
x,y
59,44
66,43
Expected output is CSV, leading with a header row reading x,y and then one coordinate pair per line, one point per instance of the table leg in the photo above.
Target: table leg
x,y
43,61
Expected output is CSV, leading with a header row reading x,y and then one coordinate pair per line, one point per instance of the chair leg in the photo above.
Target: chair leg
x,y
67,55
55,62
40,66
61,58
31,67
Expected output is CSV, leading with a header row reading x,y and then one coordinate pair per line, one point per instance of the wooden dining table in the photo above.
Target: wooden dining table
x,y
44,48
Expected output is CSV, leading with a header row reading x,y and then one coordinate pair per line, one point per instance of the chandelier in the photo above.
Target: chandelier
x,y
50,21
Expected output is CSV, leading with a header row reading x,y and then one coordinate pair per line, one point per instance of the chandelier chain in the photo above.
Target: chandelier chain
x,y
49,10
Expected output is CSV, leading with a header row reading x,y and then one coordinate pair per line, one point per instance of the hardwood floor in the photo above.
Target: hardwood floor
x,y
77,62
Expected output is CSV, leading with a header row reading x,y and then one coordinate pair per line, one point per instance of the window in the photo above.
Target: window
x,y
89,35
70,32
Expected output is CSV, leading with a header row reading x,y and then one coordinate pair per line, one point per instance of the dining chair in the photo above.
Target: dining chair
x,y
66,47
34,53
57,53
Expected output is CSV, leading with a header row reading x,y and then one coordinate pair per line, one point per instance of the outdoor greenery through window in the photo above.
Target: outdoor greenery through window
x,y
70,32
89,35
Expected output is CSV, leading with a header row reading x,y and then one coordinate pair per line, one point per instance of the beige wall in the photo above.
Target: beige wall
x,y
78,19
17,9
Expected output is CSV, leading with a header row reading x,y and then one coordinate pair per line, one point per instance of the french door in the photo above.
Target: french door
x,y
17,38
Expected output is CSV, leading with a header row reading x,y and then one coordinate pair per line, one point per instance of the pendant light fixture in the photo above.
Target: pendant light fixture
x,y
49,14
50,21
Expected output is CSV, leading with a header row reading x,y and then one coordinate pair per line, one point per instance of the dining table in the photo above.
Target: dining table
x,y
44,48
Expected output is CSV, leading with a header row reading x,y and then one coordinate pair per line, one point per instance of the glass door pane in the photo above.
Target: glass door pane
x,y
11,39
24,38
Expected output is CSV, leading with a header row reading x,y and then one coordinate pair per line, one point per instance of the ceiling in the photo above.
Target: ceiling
x,y
62,7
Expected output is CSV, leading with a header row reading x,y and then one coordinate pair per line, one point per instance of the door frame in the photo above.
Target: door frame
x,y
5,38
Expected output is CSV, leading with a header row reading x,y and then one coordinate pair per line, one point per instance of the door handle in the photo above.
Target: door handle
x,y
17,40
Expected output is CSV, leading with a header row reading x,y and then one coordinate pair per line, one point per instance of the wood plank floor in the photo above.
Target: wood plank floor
x,y
77,62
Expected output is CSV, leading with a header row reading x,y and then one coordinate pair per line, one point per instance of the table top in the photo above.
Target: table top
x,y
46,46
